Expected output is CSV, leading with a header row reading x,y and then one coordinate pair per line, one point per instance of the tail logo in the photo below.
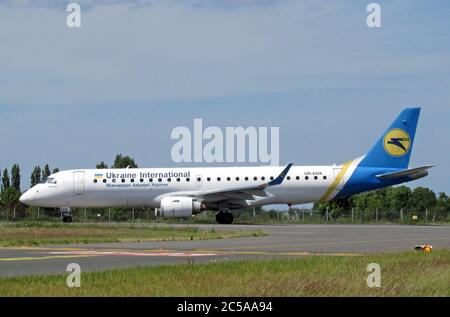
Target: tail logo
x,y
397,142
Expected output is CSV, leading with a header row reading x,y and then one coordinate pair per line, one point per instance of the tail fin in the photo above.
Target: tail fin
x,y
394,148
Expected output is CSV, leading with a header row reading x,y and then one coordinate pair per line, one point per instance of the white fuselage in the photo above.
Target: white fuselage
x,y
139,187
182,192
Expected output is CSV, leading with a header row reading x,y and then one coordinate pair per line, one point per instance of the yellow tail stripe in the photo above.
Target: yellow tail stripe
x,y
336,181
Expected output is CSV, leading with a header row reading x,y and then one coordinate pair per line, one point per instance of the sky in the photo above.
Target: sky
x,y
136,70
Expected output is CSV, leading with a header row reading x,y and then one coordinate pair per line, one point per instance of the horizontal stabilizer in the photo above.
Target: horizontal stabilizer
x,y
410,173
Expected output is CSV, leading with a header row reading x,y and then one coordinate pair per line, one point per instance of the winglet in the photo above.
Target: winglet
x,y
280,178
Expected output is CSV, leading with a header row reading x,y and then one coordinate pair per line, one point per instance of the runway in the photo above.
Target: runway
x,y
285,241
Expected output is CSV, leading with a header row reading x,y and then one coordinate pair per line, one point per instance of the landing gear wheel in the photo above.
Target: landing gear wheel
x,y
224,218
67,219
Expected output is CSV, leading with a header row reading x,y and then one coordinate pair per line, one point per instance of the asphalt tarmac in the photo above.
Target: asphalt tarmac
x,y
284,241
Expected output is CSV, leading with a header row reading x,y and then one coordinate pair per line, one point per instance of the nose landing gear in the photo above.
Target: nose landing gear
x,y
67,219
225,218
66,214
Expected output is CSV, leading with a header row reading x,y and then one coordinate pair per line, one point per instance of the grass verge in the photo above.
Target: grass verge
x,y
32,234
402,274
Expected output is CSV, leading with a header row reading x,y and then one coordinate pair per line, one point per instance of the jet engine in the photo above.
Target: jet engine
x,y
173,207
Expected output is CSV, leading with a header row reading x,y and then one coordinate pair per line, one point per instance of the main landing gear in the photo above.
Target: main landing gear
x,y
225,218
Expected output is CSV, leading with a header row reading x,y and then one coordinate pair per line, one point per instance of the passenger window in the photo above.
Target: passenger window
x,y
237,178
104,180
315,177
218,179
113,180
255,178
132,180
160,180
95,181
178,179
188,179
288,178
141,180
150,180
297,177
208,179
228,178
123,180
306,177
271,178
263,178
169,180
246,178
324,177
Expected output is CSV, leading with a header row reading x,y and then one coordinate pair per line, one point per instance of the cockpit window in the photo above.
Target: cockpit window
x,y
51,180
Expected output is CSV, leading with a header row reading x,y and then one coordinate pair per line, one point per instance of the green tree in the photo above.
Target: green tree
x,y
360,201
370,201
389,201
422,198
9,198
55,170
398,197
124,161
6,182
377,200
442,207
45,172
15,177
101,165
366,204
341,206
36,176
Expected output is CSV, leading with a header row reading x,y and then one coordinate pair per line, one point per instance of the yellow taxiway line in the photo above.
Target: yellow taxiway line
x,y
45,257
42,248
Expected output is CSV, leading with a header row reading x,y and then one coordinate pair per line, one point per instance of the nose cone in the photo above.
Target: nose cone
x,y
26,198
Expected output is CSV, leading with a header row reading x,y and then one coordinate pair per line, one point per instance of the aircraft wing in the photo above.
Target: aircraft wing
x,y
411,173
236,195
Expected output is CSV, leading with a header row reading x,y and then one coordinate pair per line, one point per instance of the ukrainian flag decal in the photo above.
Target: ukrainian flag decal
x,y
98,176
397,142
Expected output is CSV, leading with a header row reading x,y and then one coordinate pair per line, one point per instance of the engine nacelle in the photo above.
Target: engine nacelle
x,y
173,206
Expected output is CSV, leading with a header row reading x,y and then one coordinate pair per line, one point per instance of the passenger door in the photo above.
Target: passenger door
x,y
78,182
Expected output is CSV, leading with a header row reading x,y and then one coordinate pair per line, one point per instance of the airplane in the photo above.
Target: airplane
x,y
183,192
